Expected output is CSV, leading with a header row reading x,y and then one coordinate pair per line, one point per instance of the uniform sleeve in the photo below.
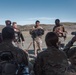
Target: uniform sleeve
x,y
68,46
71,52
22,56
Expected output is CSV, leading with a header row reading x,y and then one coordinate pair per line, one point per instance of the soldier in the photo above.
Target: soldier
x,y
71,54
6,45
19,55
52,61
37,36
60,31
19,39
8,23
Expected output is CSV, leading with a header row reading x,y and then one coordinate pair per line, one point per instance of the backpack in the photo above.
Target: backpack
x,y
40,32
37,32
9,66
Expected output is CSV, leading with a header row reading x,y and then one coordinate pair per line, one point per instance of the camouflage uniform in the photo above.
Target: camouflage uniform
x,y
51,62
19,54
71,54
68,48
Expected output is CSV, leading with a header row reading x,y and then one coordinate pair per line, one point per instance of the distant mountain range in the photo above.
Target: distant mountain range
x,y
67,25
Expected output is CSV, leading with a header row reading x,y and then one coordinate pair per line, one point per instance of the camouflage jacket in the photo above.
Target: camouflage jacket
x,y
68,48
71,53
51,62
18,54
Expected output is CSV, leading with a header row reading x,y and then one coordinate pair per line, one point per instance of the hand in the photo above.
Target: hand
x,y
73,39
60,32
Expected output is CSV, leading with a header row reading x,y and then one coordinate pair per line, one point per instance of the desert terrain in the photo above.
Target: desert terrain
x,y
69,27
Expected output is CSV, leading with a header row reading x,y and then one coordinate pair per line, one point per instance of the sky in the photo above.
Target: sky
x,y
28,11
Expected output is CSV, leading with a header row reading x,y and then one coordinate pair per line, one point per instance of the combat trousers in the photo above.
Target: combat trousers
x,y
37,44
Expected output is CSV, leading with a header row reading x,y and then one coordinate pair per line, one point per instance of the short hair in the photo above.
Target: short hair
x,y
8,22
51,39
57,20
14,23
7,33
37,21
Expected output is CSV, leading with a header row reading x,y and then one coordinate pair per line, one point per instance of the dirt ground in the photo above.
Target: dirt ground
x,y
28,41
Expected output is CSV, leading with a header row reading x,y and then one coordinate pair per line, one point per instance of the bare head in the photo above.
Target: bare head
x,y
8,33
14,25
37,23
51,39
57,22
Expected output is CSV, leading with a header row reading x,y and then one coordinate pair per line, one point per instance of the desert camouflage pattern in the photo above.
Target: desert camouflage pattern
x,y
51,62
